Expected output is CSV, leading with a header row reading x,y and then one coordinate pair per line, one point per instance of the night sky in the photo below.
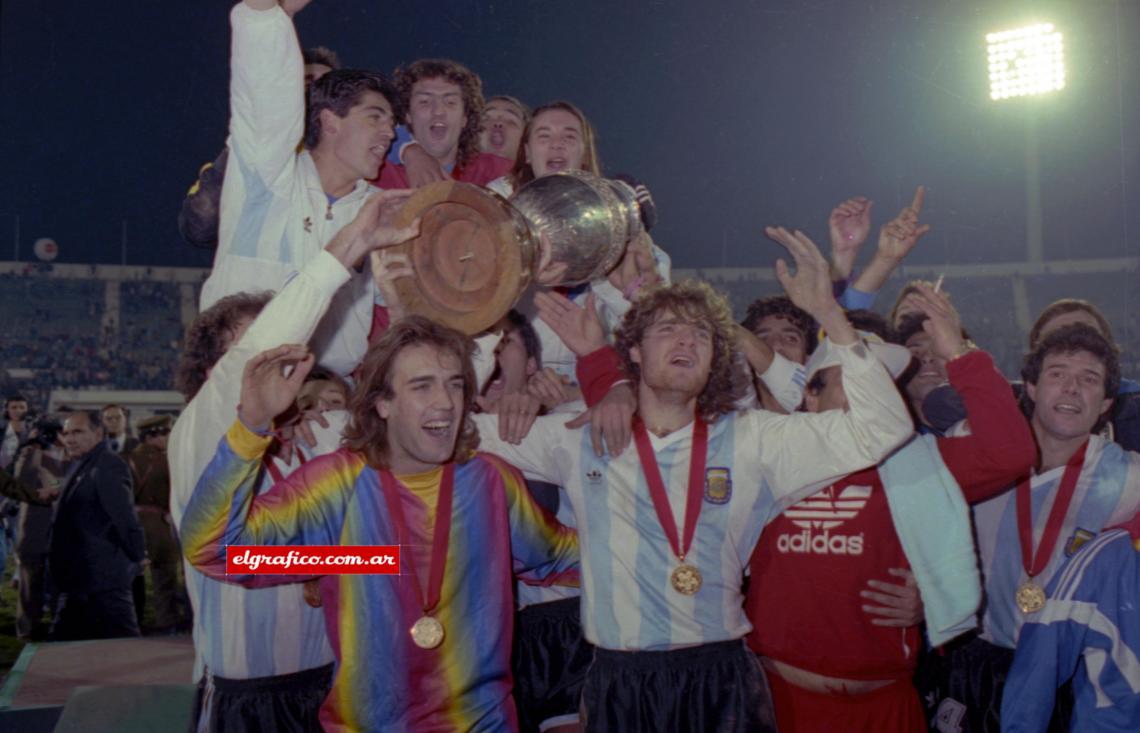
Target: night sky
x,y
737,114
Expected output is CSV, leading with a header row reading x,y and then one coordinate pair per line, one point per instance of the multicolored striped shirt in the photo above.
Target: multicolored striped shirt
x,y
383,681
1106,494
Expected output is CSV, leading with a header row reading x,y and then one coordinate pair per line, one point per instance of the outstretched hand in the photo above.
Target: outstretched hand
x,y
579,327
373,228
898,236
266,390
809,287
849,224
387,267
943,324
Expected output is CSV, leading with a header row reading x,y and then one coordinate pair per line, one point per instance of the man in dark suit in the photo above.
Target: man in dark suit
x,y
97,542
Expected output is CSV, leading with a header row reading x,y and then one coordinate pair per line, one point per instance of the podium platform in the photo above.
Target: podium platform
x,y
125,685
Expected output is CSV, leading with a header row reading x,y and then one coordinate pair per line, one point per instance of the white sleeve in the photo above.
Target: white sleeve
x,y
538,454
800,452
267,94
289,318
785,379
484,358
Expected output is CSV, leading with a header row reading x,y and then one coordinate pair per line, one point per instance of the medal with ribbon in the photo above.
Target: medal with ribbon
x,y
1030,596
427,632
686,578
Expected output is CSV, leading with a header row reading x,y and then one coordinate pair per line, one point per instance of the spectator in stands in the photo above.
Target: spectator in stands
x,y
96,541
117,428
15,408
198,218
151,476
504,118
347,126
441,102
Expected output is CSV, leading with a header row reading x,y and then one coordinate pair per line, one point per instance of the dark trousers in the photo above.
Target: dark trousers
x,y
712,688
106,614
286,703
30,602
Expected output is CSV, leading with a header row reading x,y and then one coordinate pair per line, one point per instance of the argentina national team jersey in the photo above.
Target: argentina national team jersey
x,y
243,633
1107,493
758,463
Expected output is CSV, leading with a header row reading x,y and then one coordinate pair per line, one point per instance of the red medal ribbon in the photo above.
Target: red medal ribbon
x,y
270,465
440,536
657,486
1035,563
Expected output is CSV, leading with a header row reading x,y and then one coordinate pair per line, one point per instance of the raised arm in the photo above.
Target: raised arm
x,y
896,239
290,317
267,88
307,507
799,451
1000,446
848,225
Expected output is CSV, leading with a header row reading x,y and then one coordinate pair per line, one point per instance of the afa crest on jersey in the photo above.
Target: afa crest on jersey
x,y
1078,538
718,485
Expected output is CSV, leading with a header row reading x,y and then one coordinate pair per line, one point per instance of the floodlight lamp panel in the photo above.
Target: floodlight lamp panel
x,y
1025,61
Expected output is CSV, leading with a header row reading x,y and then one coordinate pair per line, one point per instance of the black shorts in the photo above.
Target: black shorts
x,y
289,703
549,663
961,688
712,688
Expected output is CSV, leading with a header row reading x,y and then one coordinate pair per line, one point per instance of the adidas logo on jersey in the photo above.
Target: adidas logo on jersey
x,y
820,543
593,475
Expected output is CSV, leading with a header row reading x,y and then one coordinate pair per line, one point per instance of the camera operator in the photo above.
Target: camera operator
x,y
40,467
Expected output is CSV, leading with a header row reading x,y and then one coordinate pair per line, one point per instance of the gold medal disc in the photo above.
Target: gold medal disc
x,y
1030,597
686,579
427,632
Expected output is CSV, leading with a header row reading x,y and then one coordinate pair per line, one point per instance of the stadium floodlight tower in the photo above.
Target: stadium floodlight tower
x,y
1028,62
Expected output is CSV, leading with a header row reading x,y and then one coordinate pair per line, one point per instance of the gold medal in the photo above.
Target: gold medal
x,y
427,632
686,579
1030,597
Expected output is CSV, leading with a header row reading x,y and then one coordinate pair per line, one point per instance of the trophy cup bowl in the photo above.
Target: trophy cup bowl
x,y
587,220
476,251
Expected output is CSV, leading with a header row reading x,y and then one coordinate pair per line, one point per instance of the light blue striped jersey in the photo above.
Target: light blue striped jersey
x,y
1107,493
1089,631
758,463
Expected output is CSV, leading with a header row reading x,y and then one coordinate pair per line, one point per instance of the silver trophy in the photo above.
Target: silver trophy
x,y
587,220
476,251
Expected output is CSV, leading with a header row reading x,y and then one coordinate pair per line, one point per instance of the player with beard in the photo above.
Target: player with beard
x,y
667,529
